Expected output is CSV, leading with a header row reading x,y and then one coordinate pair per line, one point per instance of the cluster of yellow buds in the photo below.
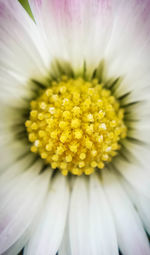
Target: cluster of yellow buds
x,y
76,126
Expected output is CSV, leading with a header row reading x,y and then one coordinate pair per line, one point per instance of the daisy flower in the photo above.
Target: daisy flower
x,y
75,127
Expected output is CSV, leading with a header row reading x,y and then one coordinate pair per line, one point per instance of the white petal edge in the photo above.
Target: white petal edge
x,y
65,244
21,180
79,218
102,230
11,152
20,40
47,237
136,174
141,202
130,232
20,207
17,168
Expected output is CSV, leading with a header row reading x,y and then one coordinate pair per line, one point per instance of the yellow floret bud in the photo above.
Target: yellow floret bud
x,y
113,123
94,153
76,110
44,155
33,114
42,105
60,150
89,170
82,156
101,165
90,117
33,148
66,115
54,134
40,116
93,164
64,137
34,126
63,165
75,123
73,147
49,146
81,164
64,172
68,158
88,144
55,157
28,123
54,165
32,137
78,134
33,104
41,133
49,92
101,114
63,124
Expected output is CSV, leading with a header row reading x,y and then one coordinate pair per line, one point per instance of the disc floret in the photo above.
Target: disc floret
x,y
76,126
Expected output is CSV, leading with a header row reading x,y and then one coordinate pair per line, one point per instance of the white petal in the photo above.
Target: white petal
x,y
11,152
20,206
11,116
140,152
23,56
81,27
21,45
127,50
92,30
20,243
65,244
49,232
79,218
143,206
21,179
15,86
140,130
141,202
16,168
52,34
136,174
102,231
131,236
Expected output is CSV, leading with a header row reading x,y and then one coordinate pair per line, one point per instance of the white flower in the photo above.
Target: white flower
x,y
108,210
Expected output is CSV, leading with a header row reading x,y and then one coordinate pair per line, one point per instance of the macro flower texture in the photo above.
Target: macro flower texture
x,y
75,127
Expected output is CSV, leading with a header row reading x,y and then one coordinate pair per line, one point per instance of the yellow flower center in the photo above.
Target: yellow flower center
x,y
76,126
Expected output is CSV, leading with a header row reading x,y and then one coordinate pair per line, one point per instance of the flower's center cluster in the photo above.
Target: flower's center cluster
x,y
76,126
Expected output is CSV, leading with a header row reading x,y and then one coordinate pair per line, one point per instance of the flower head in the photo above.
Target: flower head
x,y
75,125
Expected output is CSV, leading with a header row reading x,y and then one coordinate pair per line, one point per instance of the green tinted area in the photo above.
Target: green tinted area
x,y
25,4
